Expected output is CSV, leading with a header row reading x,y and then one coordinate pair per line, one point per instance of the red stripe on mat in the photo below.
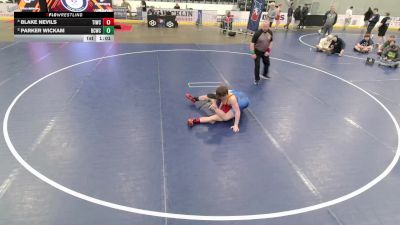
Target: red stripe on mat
x,y
124,27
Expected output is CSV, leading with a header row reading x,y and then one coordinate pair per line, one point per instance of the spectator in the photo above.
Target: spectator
x,y
304,13
144,9
143,5
330,19
271,13
297,15
277,15
383,26
385,44
337,46
289,16
349,15
127,6
367,16
390,55
228,21
151,11
324,44
177,6
365,45
373,21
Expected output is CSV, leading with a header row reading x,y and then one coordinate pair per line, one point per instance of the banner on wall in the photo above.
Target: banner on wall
x,y
181,15
188,15
255,15
241,18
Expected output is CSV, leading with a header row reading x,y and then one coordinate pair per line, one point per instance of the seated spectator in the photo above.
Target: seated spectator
x,y
177,6
227,21
324,44
390,55
385,44
127,6
365,45
337,46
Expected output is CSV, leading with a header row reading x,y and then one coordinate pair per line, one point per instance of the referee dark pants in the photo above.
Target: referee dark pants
x,y
370,27
260,55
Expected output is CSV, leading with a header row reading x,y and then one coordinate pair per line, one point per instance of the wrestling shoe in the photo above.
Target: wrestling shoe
x,y
265,77
190,122
190,97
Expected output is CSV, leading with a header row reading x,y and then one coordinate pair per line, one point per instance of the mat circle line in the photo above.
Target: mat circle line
x,y
187,216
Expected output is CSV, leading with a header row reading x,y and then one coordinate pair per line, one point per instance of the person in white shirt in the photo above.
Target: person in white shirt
x,y
324,43
347,20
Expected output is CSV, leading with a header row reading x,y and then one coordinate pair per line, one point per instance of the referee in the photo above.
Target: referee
x,y
260,48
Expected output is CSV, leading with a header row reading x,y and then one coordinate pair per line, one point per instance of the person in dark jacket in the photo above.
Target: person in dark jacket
x,y
337,46
304,13
297,15
373,21
330,19
289,17
367,16
383,26
177,6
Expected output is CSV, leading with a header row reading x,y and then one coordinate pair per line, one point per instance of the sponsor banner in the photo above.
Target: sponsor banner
x,y
240,18
255,14
183,15
8,9
395,22
358,20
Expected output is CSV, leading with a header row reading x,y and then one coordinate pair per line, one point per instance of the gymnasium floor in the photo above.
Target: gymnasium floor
x,y
96,134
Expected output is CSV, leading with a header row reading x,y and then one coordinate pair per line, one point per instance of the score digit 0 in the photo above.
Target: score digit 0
x,y
108,21
108,30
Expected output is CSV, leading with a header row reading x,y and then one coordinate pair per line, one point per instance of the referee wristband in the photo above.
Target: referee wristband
x,y
268,50
252,52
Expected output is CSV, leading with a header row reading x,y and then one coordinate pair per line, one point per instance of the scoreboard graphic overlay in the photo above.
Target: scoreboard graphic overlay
x,y
66,20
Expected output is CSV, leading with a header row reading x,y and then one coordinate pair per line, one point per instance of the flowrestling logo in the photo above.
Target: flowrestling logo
x,y
75,5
